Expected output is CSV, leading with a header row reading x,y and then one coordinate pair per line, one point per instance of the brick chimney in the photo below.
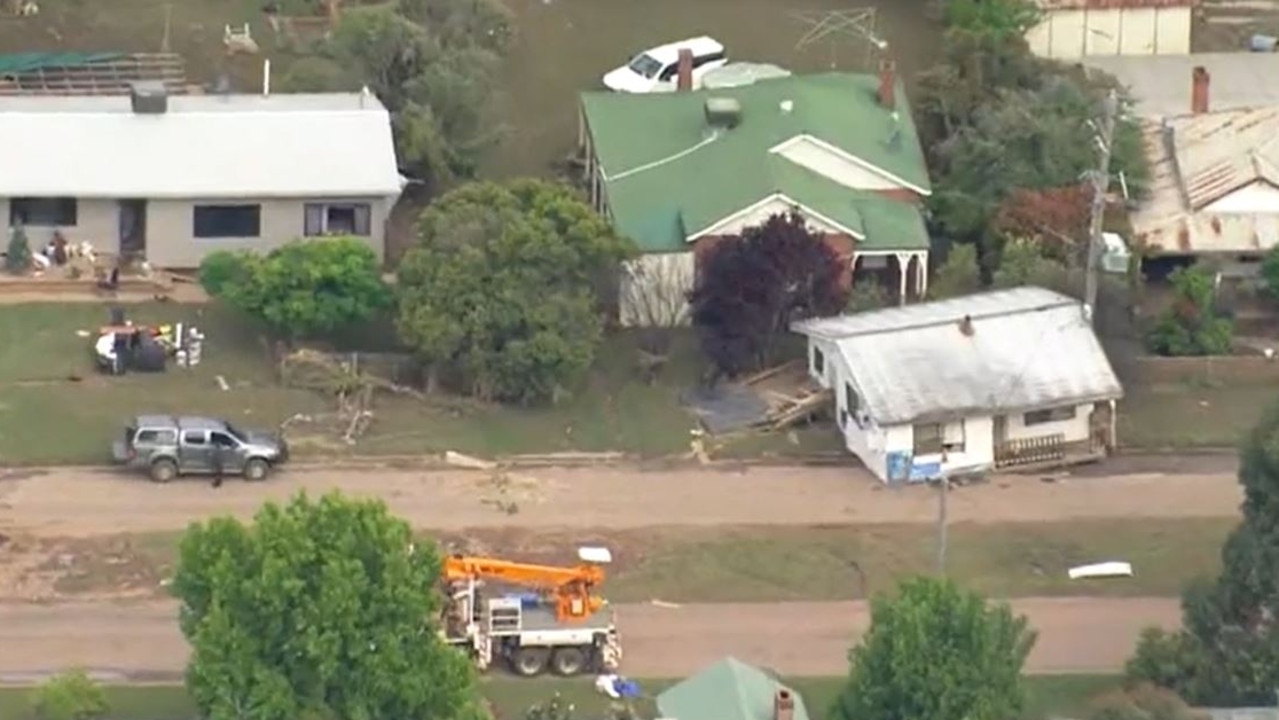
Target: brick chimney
x,y
783,705
1199,90
684,71
887,84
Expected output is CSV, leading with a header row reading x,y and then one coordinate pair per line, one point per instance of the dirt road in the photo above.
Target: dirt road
x,y
1077,635
142,640
82,503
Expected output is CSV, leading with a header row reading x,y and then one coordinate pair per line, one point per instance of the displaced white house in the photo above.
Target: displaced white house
x,y
985,381
1073,29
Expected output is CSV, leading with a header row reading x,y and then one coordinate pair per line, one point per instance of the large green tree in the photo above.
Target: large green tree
x,y
935,652
434,64
504,287
1228,653
302,289
320,609
995,119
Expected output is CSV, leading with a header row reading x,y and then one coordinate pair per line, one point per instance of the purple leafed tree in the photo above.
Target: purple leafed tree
x,y
751,287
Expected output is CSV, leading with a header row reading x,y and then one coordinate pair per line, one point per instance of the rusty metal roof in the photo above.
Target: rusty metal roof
x,y
1049,5
1199,159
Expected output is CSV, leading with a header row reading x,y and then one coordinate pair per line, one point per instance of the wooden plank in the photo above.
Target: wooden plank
x,y
770,372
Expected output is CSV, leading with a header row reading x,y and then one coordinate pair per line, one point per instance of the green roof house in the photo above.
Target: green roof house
x,y
731,690
672,170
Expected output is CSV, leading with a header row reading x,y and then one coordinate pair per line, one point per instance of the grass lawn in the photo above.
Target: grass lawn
x,y
1057,695
769,564
1191,414
55,408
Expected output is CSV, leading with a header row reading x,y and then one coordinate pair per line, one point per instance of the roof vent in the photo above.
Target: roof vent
x,y
723,112
966,326
149,98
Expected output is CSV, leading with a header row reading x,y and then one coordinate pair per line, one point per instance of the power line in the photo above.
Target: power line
x,y
1100,187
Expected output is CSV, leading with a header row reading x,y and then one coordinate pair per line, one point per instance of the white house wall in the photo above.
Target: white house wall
x,y
759,213
654,289
1259,197
810,155
1072,34
1076,429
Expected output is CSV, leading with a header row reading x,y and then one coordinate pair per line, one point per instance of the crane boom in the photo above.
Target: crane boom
x,y
570,588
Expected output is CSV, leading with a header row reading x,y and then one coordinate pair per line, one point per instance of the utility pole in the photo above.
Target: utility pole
x,y
1100,187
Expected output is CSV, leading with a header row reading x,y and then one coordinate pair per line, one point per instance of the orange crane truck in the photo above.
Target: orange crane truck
x,y
563,625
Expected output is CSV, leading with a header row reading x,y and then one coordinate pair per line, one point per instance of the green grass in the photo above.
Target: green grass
x,y
1057,695
56,409
770,564
1191,414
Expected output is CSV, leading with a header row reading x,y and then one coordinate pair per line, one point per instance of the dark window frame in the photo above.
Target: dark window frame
x,y
819,361
158,437
226,221
708,59
44,212
933,444
317,219
1049,415
203,436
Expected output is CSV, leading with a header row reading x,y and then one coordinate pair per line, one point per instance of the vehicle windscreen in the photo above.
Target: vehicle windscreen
x,y
645,65
235,433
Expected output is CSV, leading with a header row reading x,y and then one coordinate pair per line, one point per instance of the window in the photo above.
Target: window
x,y
953,436
645,65
669,73
223,440
157,437
707,59
1039,417
337,219
819,361
928,439
194,437
227,221
43,212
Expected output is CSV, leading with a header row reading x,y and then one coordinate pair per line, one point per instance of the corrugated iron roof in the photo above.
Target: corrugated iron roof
x,y
214,146
1048,5
1160,84
1028,348
1196,160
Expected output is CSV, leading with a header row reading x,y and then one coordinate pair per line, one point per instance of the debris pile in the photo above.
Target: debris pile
x,y
343,379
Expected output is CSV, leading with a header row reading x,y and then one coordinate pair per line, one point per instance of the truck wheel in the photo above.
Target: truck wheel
x,y
164,470
256,470
568,661
529,661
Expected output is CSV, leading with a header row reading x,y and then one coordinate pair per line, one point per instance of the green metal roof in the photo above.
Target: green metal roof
x,y
18,63
667,174
728,690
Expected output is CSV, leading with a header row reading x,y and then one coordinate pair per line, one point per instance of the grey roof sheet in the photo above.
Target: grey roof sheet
x,y
213,146
1160,84
1029,348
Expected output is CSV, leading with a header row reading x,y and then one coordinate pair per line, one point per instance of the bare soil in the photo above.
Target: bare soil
x,y
70,502
62,538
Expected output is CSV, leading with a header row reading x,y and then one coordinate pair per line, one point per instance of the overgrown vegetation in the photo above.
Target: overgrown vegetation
x,y
434,64
70,695
504,288
751,287
17,257
321,608
935,652
998,123
1192,325
303,289
1228,653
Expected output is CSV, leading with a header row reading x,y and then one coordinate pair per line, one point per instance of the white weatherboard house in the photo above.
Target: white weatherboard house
x,y
991,380
1074,29
174,178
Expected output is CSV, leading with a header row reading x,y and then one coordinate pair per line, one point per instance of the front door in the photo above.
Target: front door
x,y
133,229
232,452
194,452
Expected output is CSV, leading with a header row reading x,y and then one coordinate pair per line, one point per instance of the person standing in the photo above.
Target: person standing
x,y
218,463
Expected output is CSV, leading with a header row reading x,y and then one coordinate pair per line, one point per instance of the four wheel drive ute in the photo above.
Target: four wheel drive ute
x,y
167,447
